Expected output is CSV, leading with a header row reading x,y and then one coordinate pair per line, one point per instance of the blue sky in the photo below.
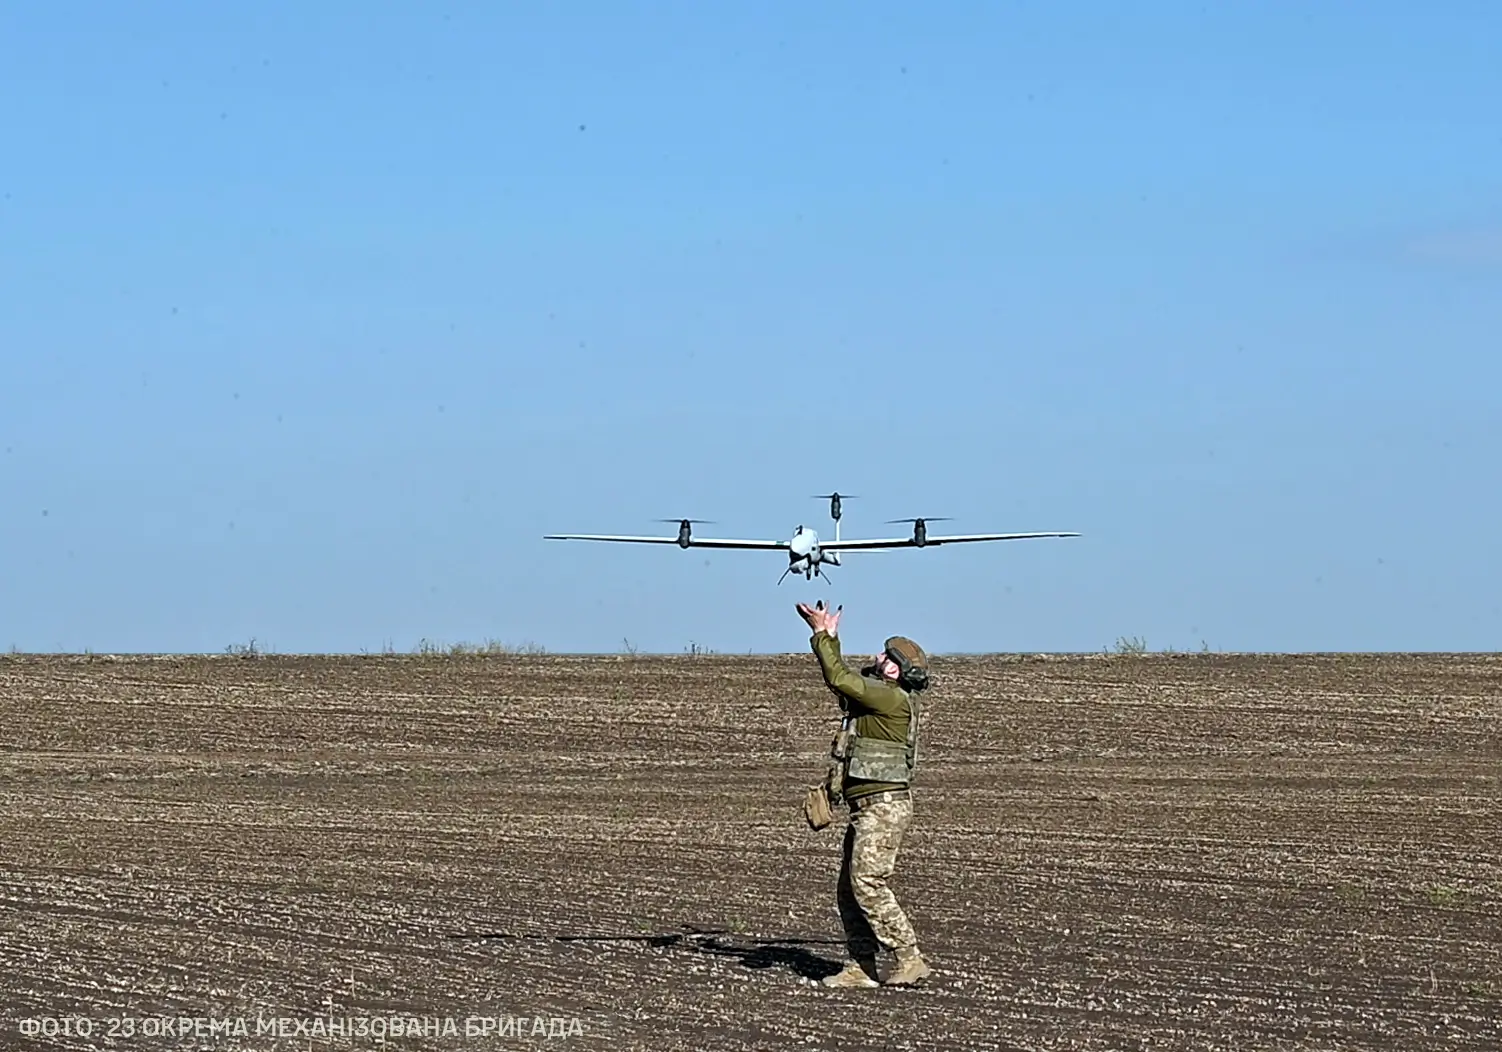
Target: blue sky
x,y
315,318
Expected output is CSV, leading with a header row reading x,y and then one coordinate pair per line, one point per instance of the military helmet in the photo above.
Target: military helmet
x,y
911,659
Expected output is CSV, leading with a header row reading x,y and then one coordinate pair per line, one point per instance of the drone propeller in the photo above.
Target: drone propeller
x,y
834,502
697,522
926,518
685,531
920,528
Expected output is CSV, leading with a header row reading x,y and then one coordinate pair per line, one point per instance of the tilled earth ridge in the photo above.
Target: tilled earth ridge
x,y
1126,852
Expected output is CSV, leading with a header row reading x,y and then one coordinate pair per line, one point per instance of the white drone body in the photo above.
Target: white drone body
x,y
806,553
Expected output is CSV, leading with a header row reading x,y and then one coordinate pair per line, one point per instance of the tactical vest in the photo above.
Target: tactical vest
x,y
879,760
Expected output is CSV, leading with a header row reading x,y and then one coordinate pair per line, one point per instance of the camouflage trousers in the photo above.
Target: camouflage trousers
x,y
868,910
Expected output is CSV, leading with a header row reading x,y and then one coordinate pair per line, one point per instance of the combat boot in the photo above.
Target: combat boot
x,y
911,968
857,973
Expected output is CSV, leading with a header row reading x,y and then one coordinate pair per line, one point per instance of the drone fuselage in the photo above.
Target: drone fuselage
x,y
805,556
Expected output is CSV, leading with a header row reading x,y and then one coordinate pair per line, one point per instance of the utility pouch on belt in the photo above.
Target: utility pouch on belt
x,y
816,807
839,749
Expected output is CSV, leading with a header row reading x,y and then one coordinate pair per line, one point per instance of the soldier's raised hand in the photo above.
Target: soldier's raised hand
x,y
820,618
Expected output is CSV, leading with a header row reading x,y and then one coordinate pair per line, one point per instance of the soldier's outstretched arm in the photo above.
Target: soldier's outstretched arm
x,y
849,683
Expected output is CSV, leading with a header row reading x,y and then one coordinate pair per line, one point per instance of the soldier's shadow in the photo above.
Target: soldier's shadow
x,y
752,952
770,953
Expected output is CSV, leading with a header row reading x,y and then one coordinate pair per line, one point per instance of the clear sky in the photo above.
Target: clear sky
x,y
315,317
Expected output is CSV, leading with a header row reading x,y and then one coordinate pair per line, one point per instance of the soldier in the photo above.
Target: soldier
x,y
882,710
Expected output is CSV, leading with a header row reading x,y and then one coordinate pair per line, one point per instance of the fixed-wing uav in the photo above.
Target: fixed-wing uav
x,y
806,553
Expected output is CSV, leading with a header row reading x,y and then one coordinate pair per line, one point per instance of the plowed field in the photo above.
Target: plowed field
x,y
1152,852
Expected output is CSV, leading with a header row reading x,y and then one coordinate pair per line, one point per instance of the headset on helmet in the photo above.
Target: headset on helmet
x,y
910,677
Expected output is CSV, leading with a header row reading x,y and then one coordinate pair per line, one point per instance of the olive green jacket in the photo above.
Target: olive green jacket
x,y
880,708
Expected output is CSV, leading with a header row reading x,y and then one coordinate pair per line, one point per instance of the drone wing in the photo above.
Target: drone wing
x,y
931,540
694,542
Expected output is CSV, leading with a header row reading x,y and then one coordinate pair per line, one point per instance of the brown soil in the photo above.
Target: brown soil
x,y
1160,852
